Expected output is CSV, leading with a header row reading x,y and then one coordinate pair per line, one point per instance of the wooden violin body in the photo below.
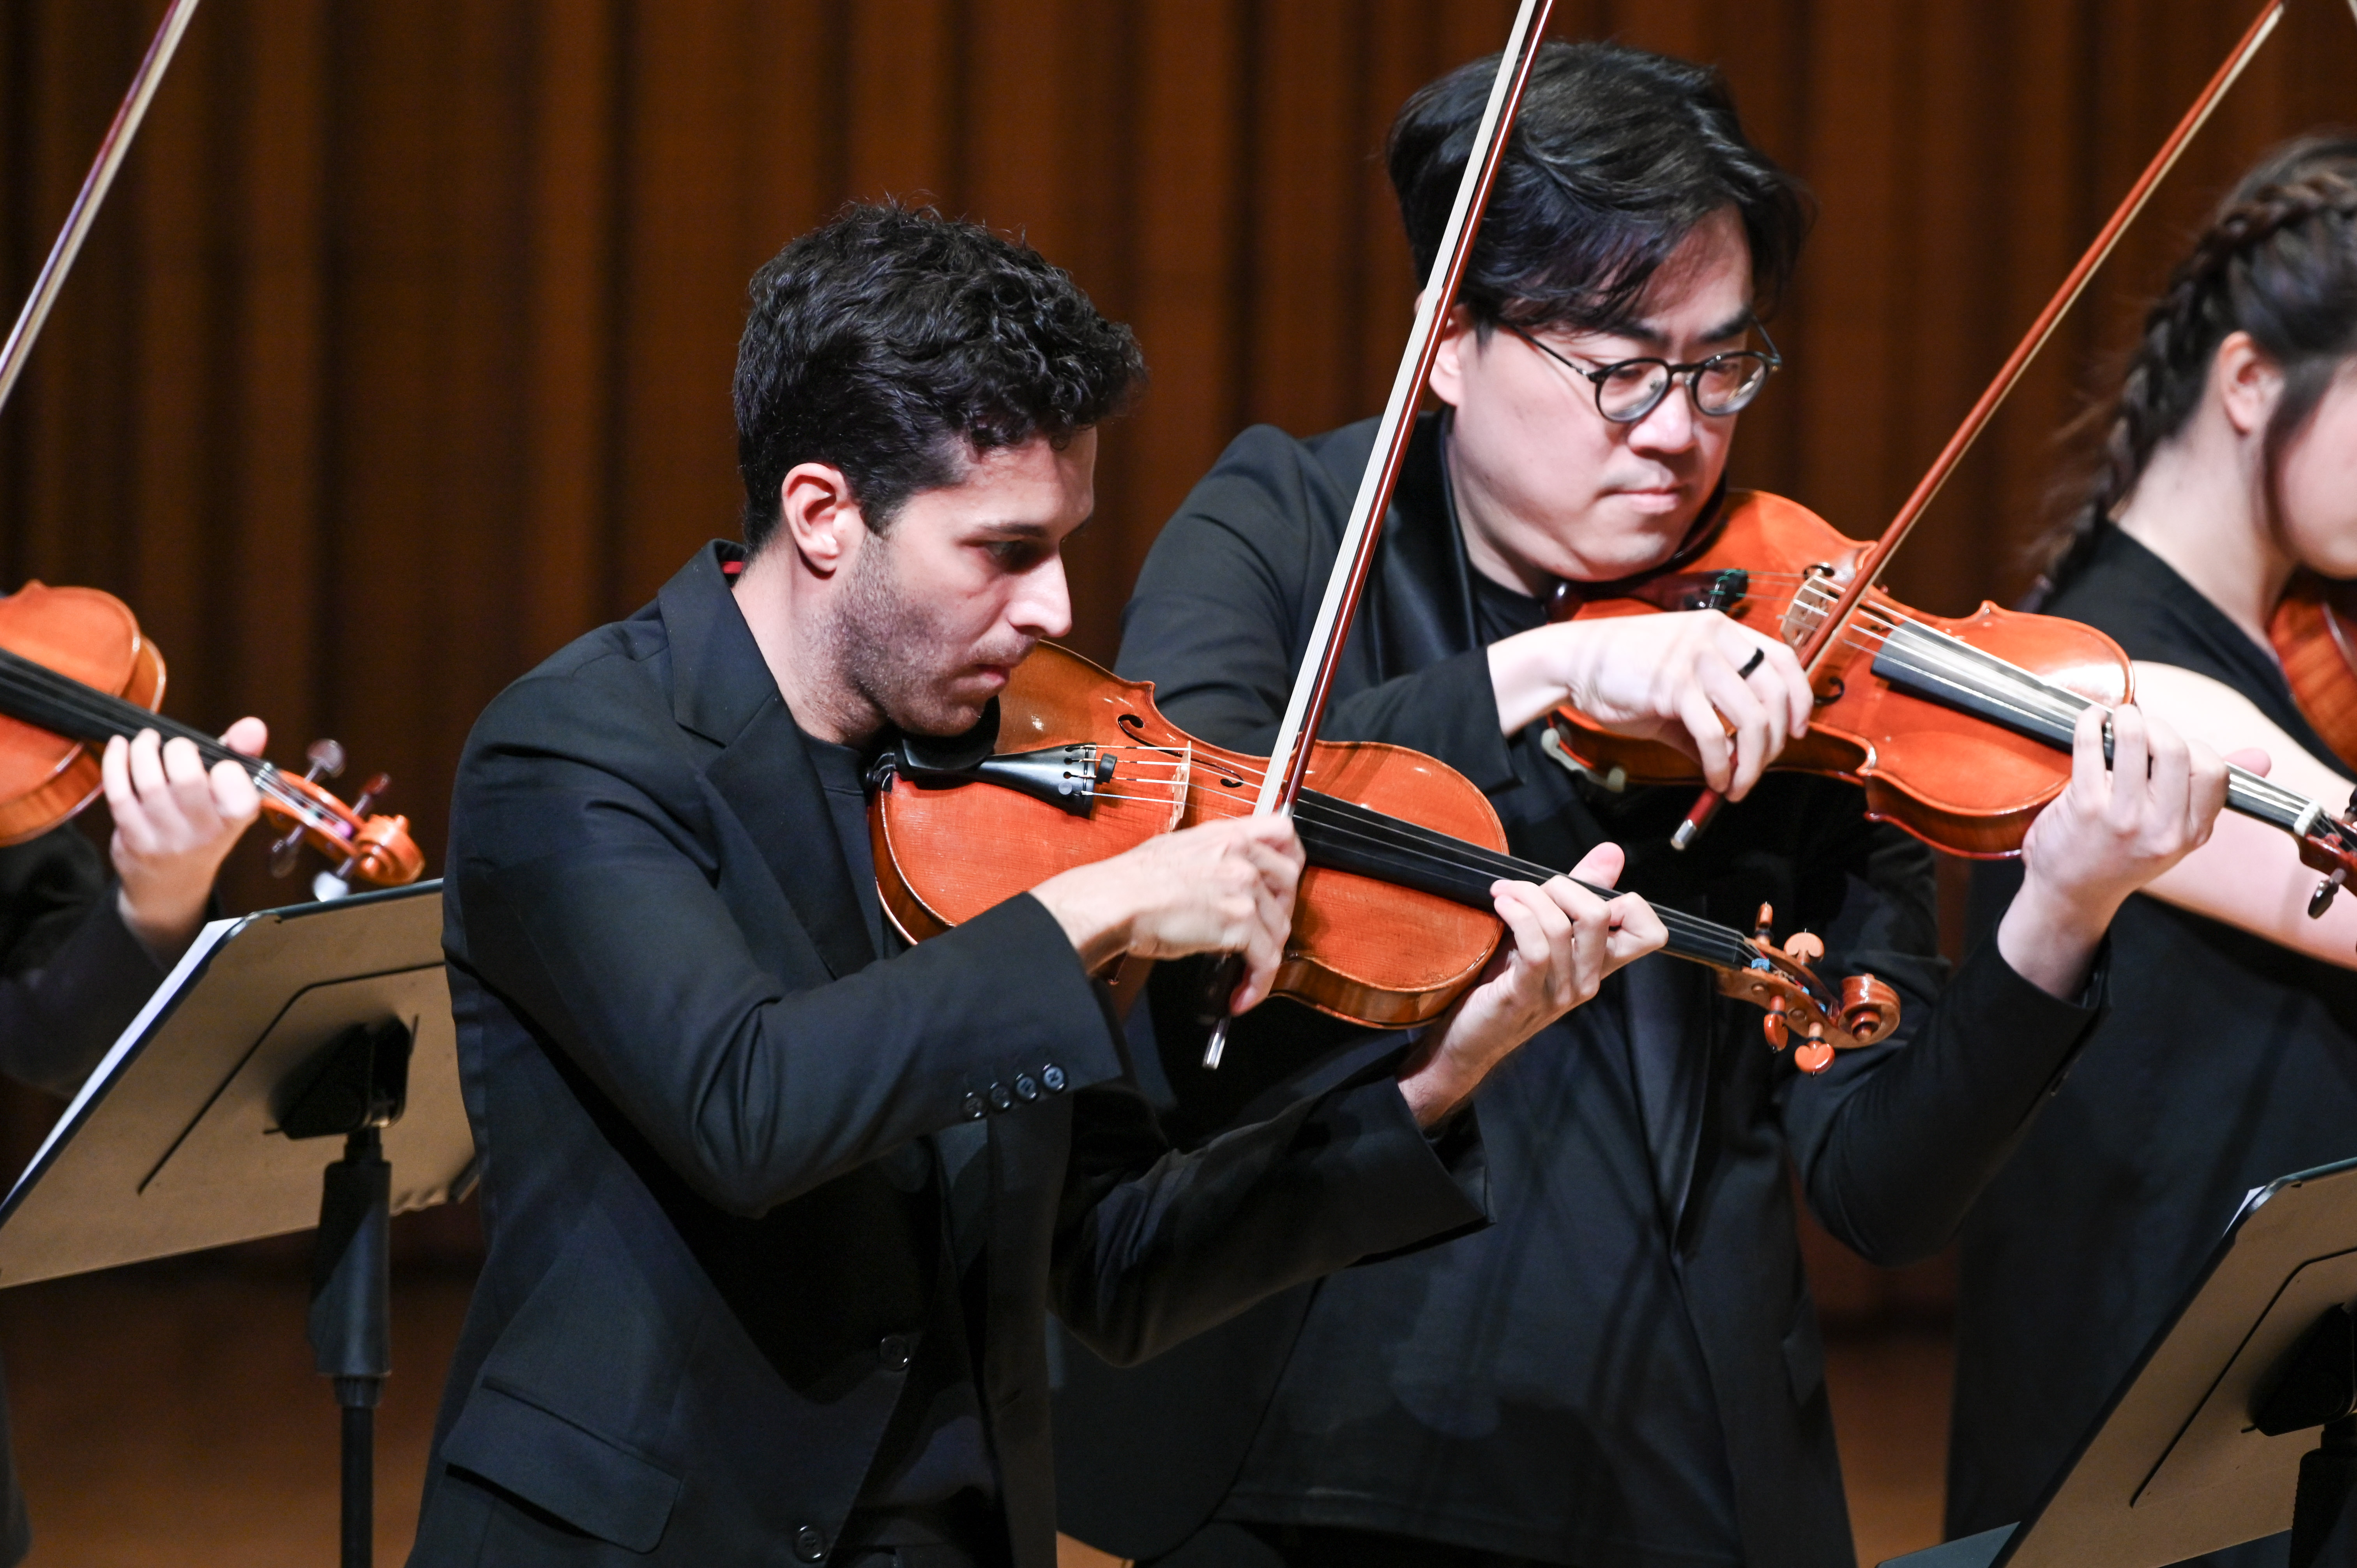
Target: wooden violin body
x,y
1090,769
1363,950
1950,776
93,638
2314,632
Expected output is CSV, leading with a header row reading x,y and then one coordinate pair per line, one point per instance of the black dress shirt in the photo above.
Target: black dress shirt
x,y
1624,1369
2225,1061
936,1446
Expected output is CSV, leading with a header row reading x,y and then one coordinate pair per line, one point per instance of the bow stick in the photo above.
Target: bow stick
x,y
1314,686
94,186
1826,636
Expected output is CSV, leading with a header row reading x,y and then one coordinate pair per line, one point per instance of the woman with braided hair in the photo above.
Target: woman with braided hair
x,y
2228,1052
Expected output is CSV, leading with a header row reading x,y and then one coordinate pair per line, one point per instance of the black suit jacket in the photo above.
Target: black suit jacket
x,y
71,979
1891,1144
695,1096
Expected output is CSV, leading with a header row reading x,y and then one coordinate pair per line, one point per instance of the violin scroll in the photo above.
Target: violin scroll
x,y
2327,843
1780,979
373,848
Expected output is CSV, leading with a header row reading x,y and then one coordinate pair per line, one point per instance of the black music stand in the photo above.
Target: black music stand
x,y
213,1120
2215,1432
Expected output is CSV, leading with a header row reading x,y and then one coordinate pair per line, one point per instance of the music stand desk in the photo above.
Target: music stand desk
x,y
2175,1467
294,1067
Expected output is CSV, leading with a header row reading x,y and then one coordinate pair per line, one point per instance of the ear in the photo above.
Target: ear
x,y
1459,344
2247,382
818,514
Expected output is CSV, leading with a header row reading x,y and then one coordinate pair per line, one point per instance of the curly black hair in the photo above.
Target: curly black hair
x,y
893,343
1617,154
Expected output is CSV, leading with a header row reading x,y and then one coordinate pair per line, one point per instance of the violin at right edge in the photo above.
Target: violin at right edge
x,y
1959,729
2314,632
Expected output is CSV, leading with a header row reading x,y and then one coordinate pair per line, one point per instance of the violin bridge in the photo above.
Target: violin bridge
x,y
1182,772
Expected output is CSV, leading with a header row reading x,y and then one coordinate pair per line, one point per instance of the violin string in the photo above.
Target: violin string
x,y
2260,795
1408,843
53,700
1967,671
1405,845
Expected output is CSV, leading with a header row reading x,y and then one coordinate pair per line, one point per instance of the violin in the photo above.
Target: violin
x,y
75,671
1959,730
1394,918
2314,634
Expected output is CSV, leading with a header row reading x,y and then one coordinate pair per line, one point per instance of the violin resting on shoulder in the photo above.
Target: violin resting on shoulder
x,y
1959,730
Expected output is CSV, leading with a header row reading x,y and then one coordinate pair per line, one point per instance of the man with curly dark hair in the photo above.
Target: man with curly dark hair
x,y
777,1208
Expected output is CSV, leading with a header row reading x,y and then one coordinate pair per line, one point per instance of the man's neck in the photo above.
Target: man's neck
x,y
776,594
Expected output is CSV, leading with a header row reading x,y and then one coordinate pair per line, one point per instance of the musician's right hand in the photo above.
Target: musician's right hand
x,y
1676,678
1224,886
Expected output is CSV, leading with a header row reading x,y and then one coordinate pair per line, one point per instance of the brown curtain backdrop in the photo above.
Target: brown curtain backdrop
x,y
401,355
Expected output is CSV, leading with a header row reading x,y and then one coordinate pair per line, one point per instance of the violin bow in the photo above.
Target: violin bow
x,y
1823,637
95,187
1313,687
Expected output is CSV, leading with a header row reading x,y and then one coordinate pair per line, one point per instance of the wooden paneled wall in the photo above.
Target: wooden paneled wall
x,y
401,355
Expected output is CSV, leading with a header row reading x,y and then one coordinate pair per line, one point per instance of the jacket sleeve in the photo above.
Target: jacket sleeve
x,y
1221,612
1153,1246
72,975
1896,1142
598,914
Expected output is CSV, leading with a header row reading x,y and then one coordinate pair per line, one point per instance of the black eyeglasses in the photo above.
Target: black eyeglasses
x,y
1628,390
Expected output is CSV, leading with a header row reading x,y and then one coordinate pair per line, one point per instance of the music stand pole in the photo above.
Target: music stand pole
x,y
361,1089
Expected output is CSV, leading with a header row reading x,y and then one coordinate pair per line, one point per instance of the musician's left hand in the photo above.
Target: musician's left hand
x,y
2112,830
1562,940
175,822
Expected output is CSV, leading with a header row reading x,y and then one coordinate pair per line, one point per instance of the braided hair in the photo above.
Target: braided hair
x,y
2279,261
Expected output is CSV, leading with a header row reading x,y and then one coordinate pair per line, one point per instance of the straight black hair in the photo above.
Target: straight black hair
x,y
1617,154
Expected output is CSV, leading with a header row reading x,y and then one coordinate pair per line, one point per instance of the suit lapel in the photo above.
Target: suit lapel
x,y
722,690
1427,615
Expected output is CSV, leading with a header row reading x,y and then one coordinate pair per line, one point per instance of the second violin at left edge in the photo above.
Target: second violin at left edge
x,y
75,671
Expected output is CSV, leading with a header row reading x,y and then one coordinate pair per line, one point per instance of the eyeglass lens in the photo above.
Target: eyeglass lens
x,y
1722,384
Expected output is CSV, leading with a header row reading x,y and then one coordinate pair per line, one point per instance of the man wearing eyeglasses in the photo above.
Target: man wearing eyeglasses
x,y
1623,1372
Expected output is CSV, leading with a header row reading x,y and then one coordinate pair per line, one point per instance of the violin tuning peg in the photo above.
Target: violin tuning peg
x,y
1813,1057
326,760
284,852
369,794
2321,899
1772,1025
1805,947
1763,929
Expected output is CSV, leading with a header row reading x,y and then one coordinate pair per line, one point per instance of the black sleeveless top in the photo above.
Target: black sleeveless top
x,y
2225,1061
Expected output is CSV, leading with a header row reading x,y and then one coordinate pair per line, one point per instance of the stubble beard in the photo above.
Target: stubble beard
x,y
895,651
